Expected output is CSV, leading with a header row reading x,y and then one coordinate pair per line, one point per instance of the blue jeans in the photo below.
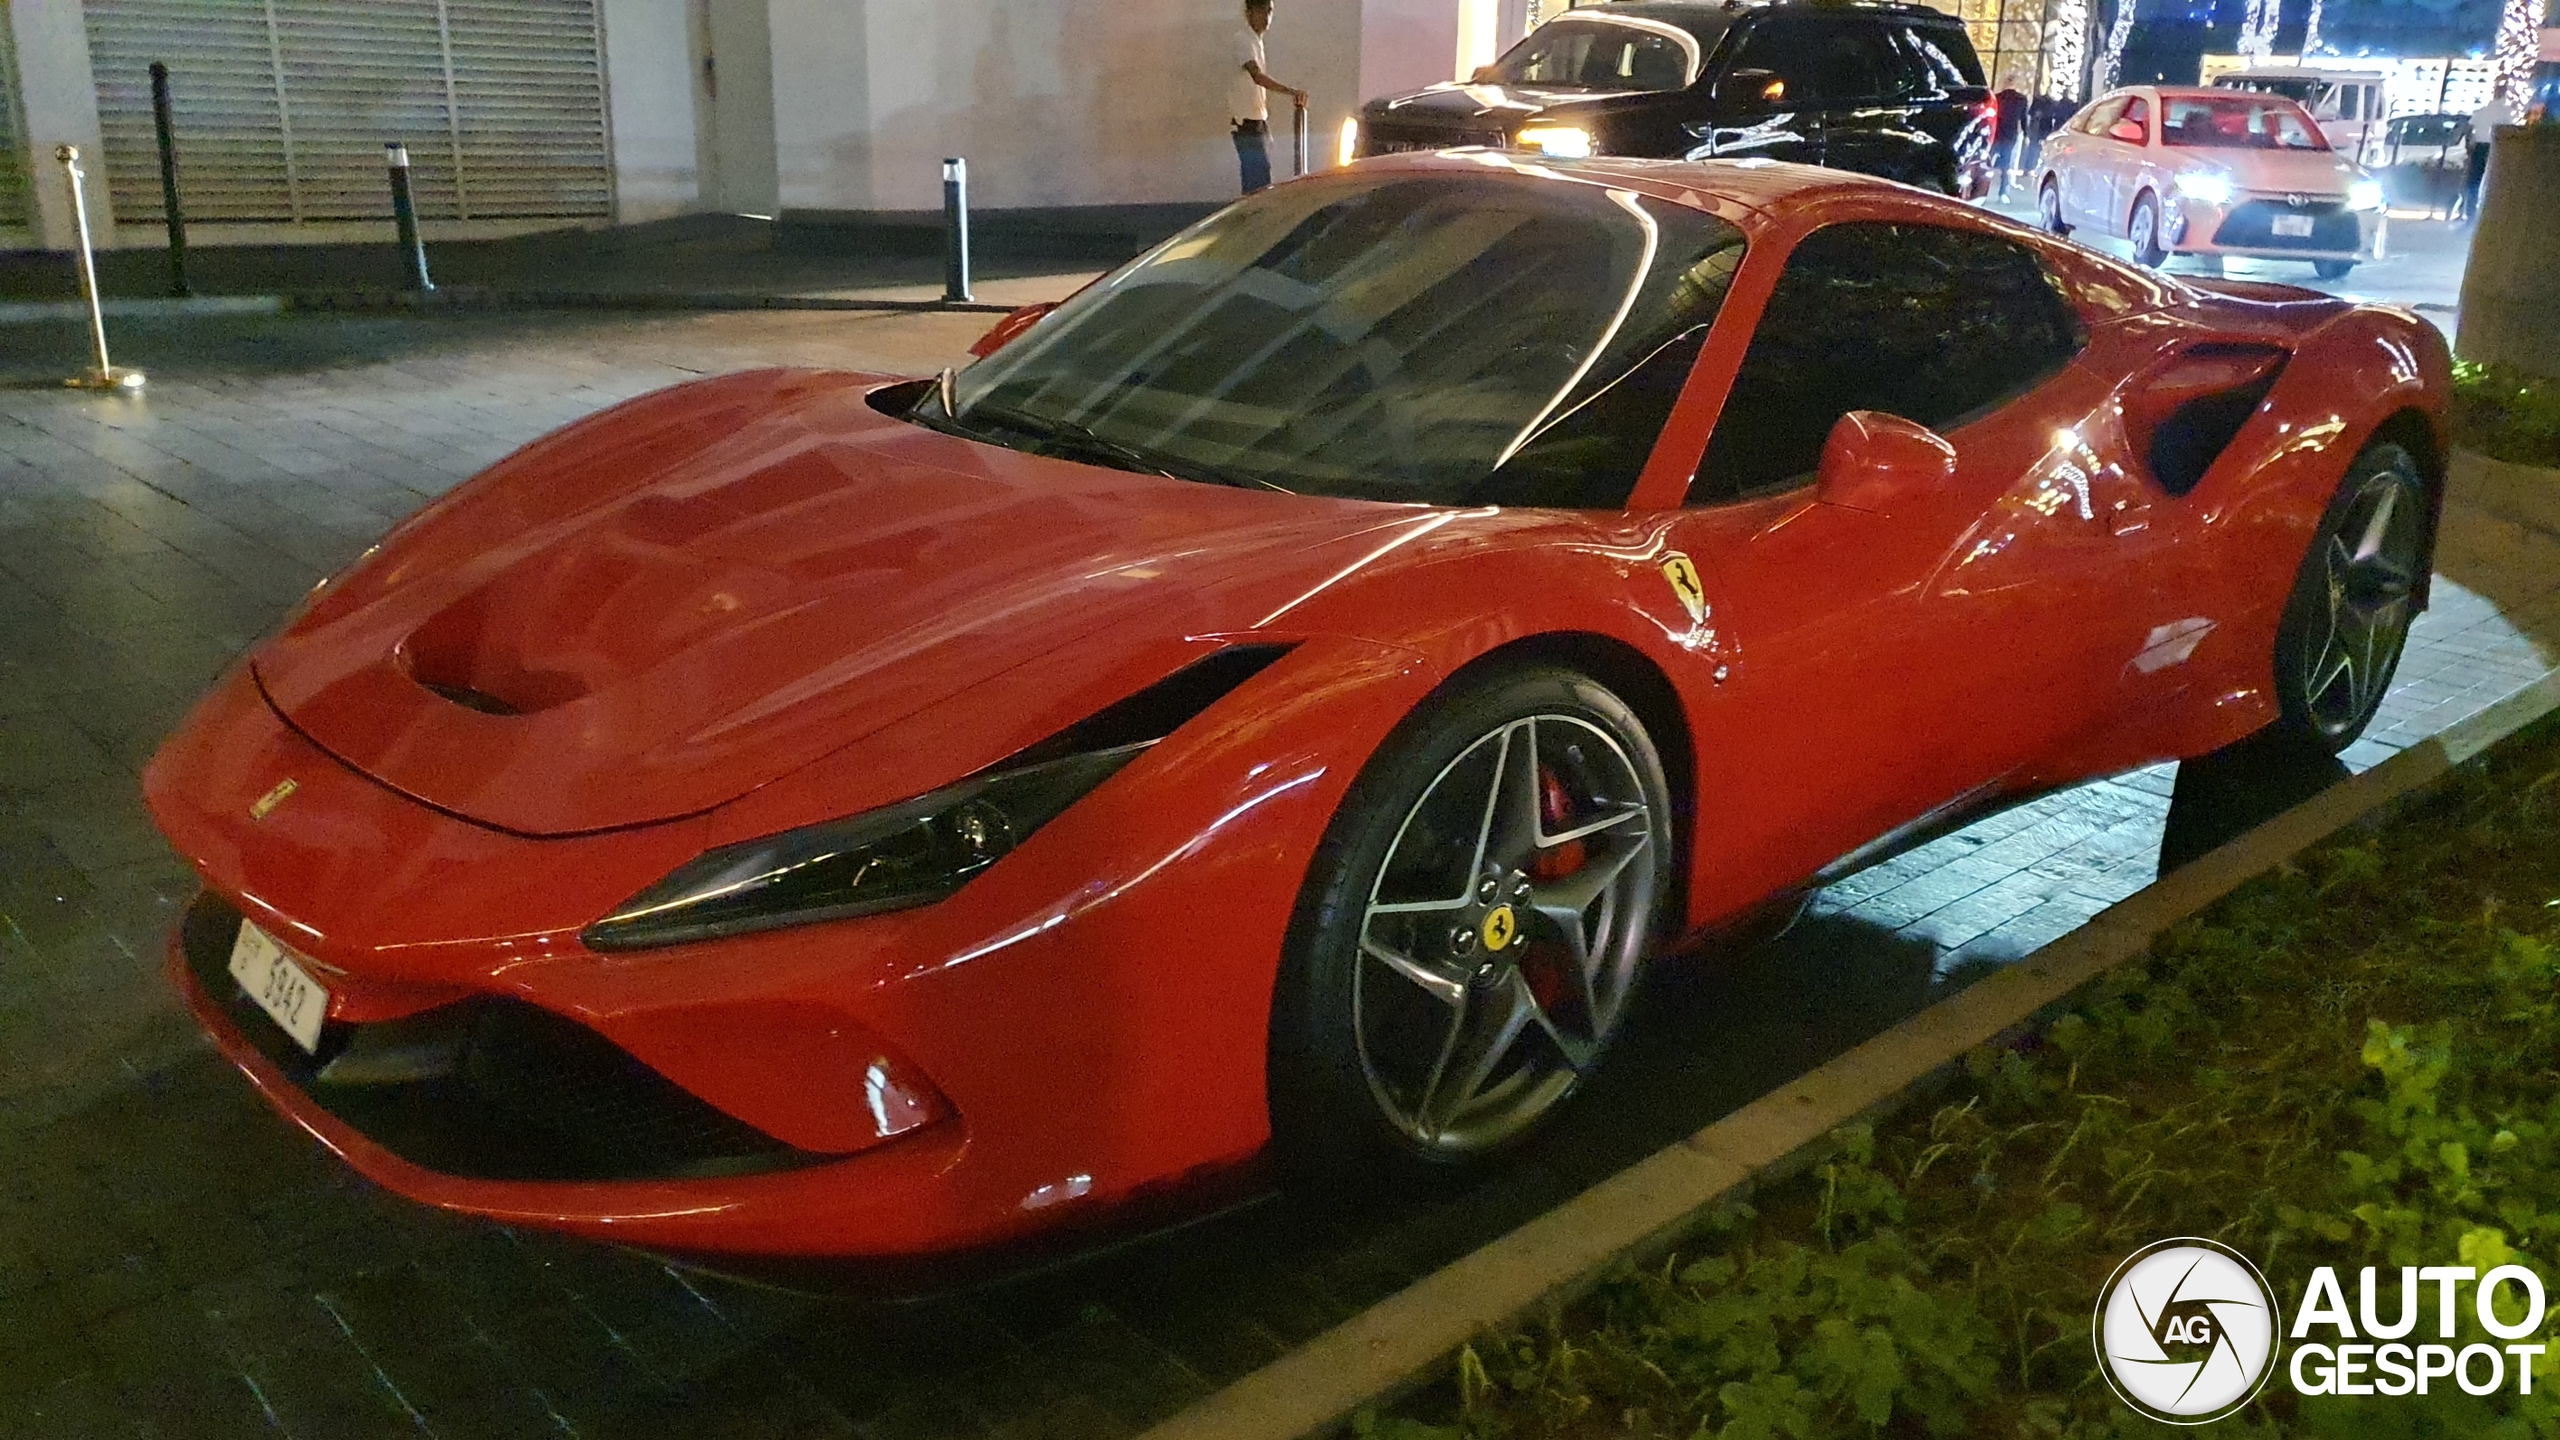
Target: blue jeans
x,y
1253,154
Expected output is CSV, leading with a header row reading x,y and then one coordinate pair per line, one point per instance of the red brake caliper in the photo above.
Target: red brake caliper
x,y
1538,965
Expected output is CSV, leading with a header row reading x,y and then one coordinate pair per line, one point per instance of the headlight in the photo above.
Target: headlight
x,y
2210,189
1349,149
906,855
2364,195
1564,142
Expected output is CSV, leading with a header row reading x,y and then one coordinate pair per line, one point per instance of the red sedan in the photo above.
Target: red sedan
x,y
1276,702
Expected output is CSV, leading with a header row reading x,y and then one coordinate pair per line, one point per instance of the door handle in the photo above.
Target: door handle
x,y
2127,518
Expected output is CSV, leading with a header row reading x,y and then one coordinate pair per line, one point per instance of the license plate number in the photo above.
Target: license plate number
x,y
2293,225
281,987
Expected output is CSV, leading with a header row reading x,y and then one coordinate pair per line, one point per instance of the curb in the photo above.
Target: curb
x,y
478,298
1396,1345
28,312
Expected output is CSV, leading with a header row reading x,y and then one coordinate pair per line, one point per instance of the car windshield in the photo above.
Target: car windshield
x,y
2239,123
1473,338
1617,52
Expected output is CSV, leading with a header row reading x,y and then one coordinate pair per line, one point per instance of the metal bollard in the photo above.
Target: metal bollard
x,y
105,375
955,231
1302,138
167,129
404,212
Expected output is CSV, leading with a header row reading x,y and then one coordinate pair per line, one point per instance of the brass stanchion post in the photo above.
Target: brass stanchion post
x,y
105,374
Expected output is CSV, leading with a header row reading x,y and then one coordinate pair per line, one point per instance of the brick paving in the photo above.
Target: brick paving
x,y
175,1261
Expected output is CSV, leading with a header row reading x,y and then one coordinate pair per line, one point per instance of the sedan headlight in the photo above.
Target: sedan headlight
x,y
1563,142
906,855
2364,195
2209,189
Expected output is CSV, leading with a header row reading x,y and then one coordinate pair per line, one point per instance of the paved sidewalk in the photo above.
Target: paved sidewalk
x,y
175,1261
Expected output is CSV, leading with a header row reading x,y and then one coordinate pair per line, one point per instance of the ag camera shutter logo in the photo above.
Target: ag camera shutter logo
x,y
2186,1330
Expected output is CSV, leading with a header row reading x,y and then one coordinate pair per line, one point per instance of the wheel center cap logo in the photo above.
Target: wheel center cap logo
x,y
2185,1331
1500,928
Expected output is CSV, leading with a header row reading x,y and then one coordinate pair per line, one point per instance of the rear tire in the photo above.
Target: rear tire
x,y
2049,207
1414,1034
2332,269
2144,229
2348,617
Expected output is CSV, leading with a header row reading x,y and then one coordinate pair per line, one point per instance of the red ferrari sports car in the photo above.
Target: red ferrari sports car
x,y
1274,703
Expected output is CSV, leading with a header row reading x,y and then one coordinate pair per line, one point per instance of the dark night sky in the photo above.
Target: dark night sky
x,y
2168,35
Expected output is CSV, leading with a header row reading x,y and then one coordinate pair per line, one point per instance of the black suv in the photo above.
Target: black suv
x,y
1889,89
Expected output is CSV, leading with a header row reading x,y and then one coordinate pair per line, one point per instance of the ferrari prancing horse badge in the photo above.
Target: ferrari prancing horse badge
x,y
1685,584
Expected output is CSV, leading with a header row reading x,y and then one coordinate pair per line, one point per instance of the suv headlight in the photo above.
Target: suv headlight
x,y
2364,195
1563,142
2210,189
892,859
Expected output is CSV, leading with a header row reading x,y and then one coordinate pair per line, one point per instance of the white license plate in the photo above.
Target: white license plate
x,y
281,987
2293,225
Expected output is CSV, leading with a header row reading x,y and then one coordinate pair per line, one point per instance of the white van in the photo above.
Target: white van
x,y
2349,104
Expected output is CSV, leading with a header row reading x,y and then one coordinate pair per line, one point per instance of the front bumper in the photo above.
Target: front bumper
x,y
1092,1039
2248,223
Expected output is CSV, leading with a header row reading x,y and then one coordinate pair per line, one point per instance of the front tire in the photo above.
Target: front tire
x,y
2144,229
2049,207
2353,600
1473,930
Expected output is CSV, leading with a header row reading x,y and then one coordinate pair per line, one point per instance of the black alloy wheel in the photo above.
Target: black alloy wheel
x,y
2353,600
1473,930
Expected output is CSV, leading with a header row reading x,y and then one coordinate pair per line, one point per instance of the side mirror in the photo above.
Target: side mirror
x,y
2130,131
1751,87
1874,461
1009,327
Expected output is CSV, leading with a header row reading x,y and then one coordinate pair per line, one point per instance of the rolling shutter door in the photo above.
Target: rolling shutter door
x,y
282,106
13,146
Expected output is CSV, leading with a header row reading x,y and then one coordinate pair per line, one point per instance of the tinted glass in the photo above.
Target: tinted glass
x,y
1944,60
1785,48
1603,54
1932,324
1947,45
2138,110
2238,123
1448,339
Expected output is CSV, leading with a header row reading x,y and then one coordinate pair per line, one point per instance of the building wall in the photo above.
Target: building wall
x,y
763,105
651,75
1064,102
59,105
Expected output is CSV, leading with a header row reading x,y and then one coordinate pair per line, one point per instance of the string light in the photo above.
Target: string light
x,y
2513,58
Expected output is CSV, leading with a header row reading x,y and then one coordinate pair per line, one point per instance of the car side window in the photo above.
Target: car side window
x,y
1784,46
1851,65
1938,70
2101,116
2138,110
1934,324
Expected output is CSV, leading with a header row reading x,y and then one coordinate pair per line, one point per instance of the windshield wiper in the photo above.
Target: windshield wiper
x,y
1070,437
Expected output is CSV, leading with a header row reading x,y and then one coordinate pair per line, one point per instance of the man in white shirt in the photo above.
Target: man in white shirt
x,y
2484,123
1248,109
